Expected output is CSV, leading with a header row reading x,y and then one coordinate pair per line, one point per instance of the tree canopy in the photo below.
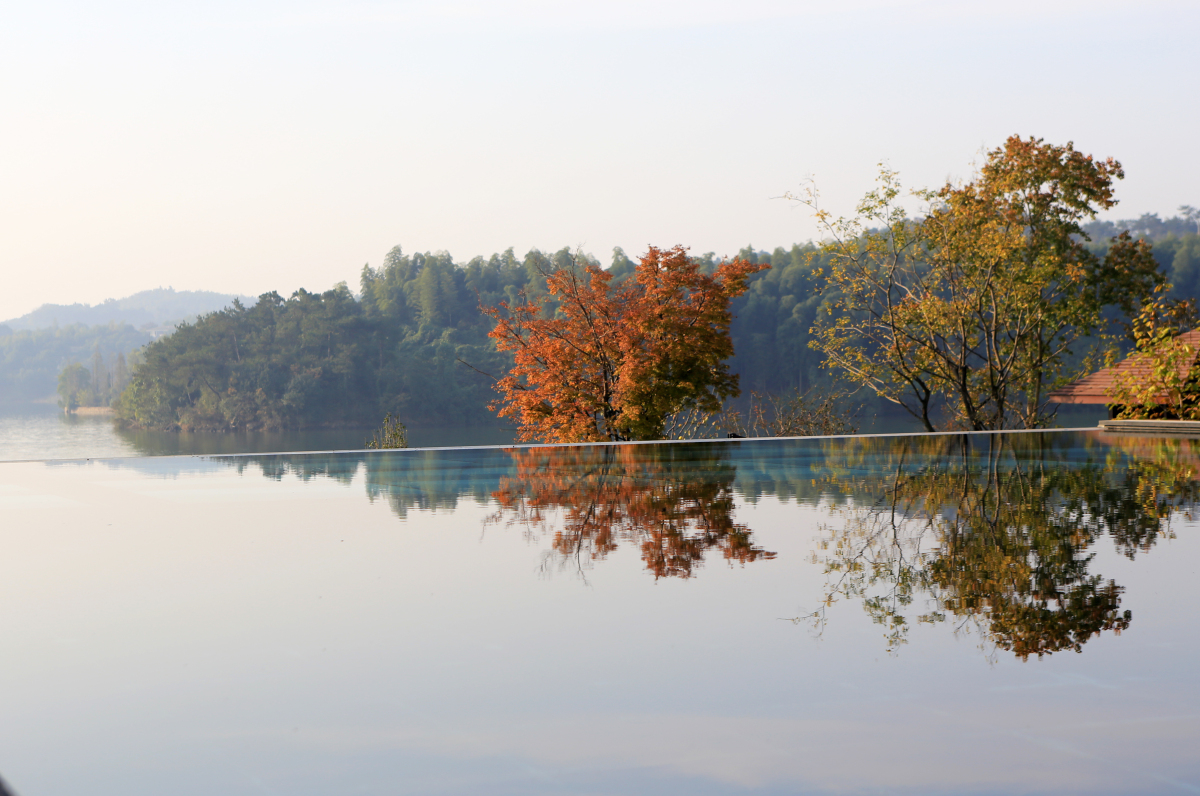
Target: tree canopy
x,y
976,307
596,360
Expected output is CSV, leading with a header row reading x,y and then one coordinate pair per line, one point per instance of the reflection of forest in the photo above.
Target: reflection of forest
x,y
994,533
423,480
999,531
674,502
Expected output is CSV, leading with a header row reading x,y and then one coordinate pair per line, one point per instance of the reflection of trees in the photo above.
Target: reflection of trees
x,y
675,502
338,467
420,480
998,534
991,532
1160,481
432,480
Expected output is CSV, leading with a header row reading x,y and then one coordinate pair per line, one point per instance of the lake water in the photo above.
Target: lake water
x,y
43,432
950,614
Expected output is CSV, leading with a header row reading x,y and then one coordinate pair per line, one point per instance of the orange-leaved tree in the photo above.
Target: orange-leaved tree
x,y
594,361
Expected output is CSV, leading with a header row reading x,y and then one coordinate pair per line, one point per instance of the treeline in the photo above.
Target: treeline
x,y
1149,227
331,359
31,361
98,386
1176,244
414,343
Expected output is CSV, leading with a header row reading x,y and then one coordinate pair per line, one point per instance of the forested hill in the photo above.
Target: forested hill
x,y
1149,227
327,359
36,347
30,361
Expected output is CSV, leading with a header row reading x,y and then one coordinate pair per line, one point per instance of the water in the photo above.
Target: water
x,y
932,615
44,432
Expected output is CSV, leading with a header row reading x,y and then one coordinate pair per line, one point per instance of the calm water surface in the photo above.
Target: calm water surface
x,y
43,432
40,431
914,615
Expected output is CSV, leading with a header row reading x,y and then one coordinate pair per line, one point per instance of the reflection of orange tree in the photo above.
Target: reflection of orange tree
x,y
674,503
1000,537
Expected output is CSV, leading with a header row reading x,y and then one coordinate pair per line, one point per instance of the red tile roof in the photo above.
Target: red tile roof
x,y
1097,388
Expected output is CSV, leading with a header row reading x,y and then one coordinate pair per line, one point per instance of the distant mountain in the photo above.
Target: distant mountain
x,y
147,309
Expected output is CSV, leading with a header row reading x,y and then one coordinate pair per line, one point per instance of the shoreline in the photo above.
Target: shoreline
x,y
90,410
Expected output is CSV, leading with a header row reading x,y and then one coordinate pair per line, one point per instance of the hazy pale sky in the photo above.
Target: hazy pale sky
x,y
249,146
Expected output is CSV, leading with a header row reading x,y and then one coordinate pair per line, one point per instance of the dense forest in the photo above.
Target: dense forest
x,y
414,343
1176,243
334,359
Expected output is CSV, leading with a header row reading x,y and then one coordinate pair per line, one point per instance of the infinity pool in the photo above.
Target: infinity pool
x,y
939,614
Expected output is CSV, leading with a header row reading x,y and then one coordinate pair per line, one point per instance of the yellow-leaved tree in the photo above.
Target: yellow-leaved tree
x,y
974,310
1160,379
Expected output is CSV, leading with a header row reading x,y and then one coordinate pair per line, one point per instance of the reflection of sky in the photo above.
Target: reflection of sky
x,y
218,631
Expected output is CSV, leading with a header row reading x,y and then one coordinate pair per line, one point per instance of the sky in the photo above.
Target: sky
x,y
251,146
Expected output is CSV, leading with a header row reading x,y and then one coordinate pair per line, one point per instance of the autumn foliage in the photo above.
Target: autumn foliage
x,y
999,534
978,310
674,507
596,361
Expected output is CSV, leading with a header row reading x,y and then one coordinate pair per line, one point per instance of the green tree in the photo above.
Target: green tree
x,y
1160,379
120,374
390,434
976,307
74,387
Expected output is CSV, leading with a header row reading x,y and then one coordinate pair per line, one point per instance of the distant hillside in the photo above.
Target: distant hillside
x,y
30,361
149,308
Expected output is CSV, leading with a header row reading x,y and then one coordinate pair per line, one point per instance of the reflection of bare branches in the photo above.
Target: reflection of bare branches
x,y
877,546
1013,541
590,501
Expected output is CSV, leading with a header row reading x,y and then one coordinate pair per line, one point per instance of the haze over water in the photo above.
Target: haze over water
x,y
42,432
